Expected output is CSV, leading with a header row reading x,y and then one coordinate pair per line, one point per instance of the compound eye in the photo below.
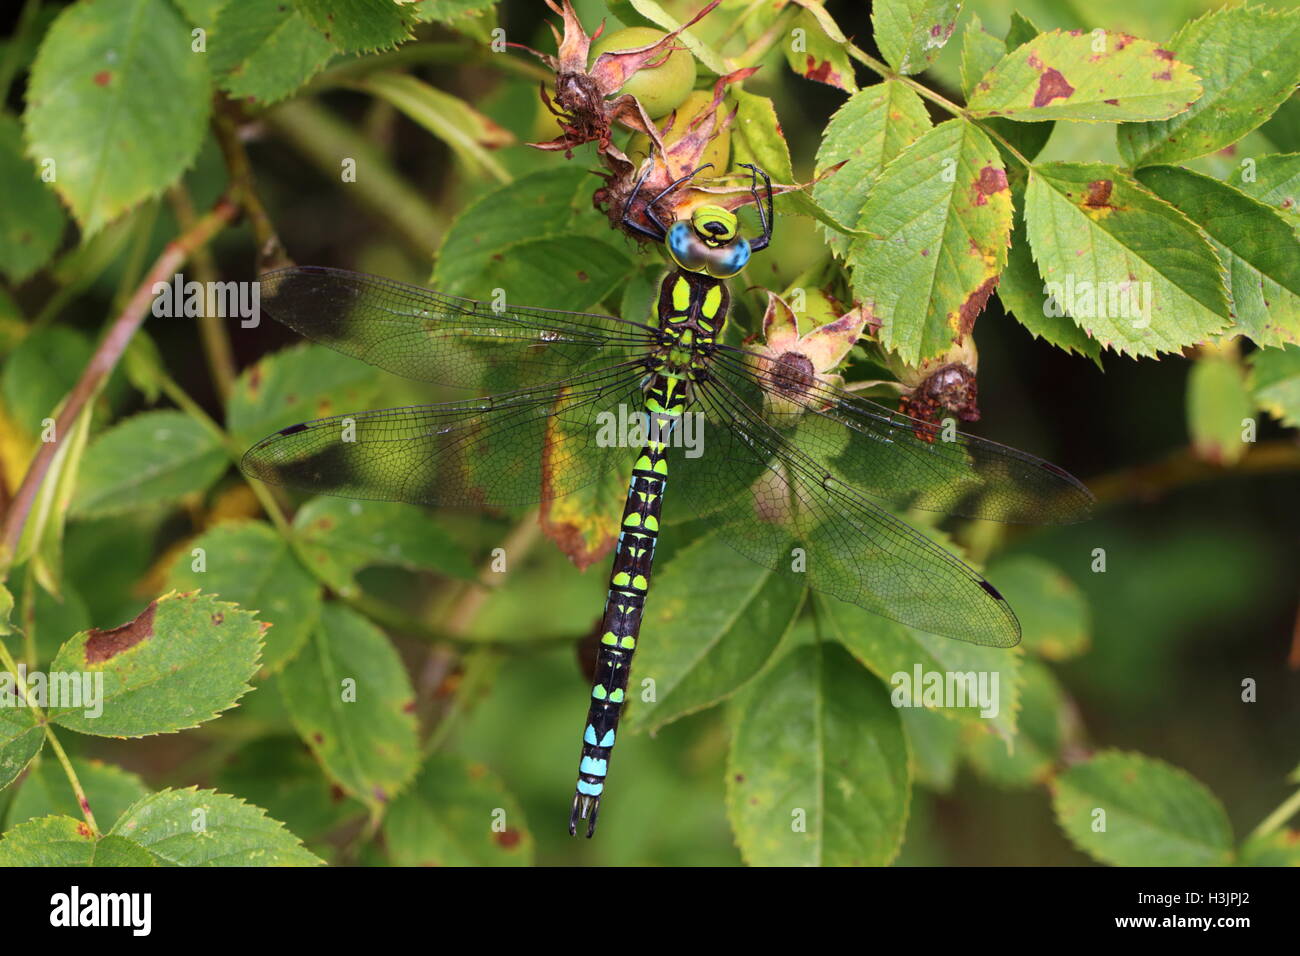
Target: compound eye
x,y
726,262
685,247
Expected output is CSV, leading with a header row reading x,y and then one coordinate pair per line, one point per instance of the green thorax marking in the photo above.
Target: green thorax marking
x,y
692,311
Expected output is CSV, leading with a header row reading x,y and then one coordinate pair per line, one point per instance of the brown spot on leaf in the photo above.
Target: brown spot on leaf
x,y
1111,102
582,276
1099,193
1035,62
218,618
102,78
508,839
83,830
1162,75
990,180
974,305
822,72
1052,85
103,645
1165,54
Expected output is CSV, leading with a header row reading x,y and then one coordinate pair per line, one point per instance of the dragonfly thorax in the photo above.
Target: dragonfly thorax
x,y
692,311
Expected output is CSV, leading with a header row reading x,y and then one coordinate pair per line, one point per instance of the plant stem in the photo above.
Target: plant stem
x,y
1289,808
270,251
77,789
101,364
212,330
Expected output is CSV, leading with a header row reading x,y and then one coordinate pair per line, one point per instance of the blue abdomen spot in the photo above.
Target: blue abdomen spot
x,y
607,740
594,766
589,736
590,789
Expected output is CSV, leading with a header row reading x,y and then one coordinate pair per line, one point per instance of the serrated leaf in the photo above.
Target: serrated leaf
x,y
1055,620
1275,383
1063,75
449,11
194,827
31,220
295,384
1023,294
1218,408
64,841
584,522
457,813
251,565
349,698
981,52
910,33
1260,250
265,50
756,135
897,654
358,26
865,134
942,210
1131,270
1154,814
40,371
182,661
817,771
823,56
46,790
150,459
21,737
1246,59
1274,181
1038,740
340,537
716,618
932,744
470,135
507,235
93,105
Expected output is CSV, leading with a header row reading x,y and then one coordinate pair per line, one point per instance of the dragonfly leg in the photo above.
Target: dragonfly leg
x,y
630,223
766,219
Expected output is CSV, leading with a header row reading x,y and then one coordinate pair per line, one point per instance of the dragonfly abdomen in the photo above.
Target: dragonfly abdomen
x,y
629,582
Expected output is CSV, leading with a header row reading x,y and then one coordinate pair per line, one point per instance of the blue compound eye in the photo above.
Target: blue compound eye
x,y
730,259
685,247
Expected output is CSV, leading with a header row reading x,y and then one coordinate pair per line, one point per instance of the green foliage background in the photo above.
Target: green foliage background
x,y
1127,693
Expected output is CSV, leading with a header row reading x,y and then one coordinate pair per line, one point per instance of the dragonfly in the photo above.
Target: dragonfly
x,y
785,460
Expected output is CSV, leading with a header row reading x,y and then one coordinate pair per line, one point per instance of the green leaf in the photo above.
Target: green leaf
x,y
251,565
981,51
1246,59
932,743
823,55
1131,270
1218,408
470,134
120,103
1259,248
279,773
1038,740
46,790
910,33
358,26
756,136
1153,814
1275,383
31,220
865,134
1280,848
295,384
351,701
715,619
150,459
182,661
39,372
1054,617
63,841
265,50
457,814
21,737
536,239
1063,75
817,772
942,210
41,540
1024,295
1274,181
340,537
896,653
194,827
449,11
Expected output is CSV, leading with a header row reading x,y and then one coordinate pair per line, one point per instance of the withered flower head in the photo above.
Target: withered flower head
x,y
941,387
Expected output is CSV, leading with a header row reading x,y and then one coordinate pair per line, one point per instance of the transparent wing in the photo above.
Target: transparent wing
x,y
432,337
515,448
906,462
768,491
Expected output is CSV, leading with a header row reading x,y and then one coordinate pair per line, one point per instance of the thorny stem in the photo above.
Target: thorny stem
x,y
939,100
101,364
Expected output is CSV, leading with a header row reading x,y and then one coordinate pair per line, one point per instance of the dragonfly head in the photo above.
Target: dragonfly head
x,y
709,242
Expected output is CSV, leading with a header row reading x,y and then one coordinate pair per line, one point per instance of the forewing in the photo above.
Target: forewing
x,y
432,337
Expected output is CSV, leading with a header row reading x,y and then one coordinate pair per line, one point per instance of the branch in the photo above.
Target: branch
x,y
102,363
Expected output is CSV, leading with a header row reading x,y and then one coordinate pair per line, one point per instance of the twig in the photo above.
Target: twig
x,y
270,251
101,364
